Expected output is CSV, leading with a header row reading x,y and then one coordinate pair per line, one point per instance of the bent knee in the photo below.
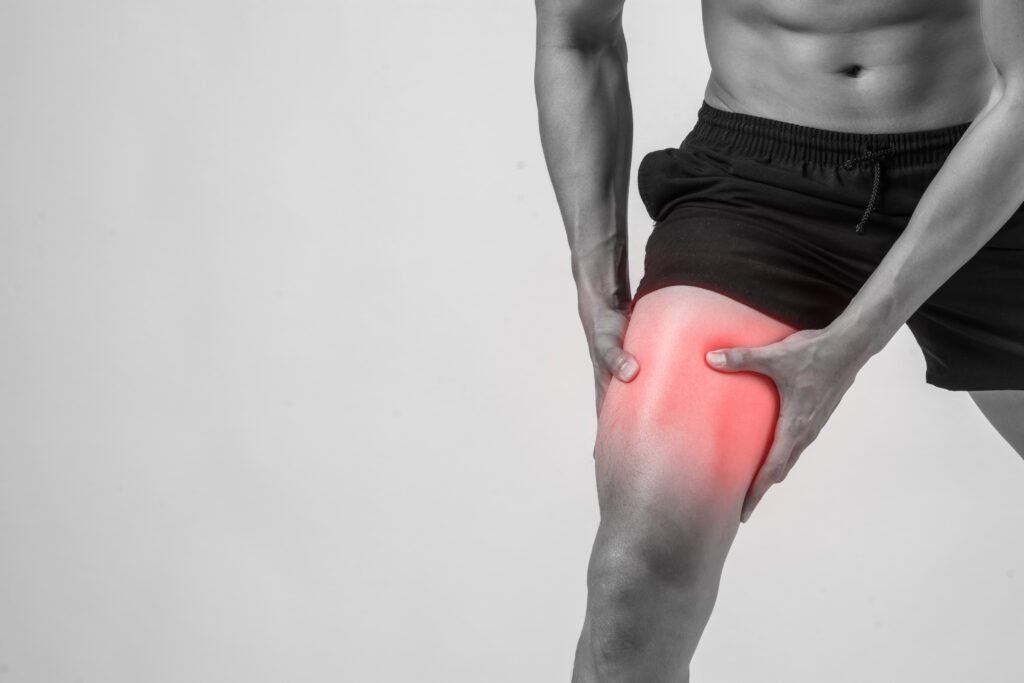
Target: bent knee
x,y
632,585
631,557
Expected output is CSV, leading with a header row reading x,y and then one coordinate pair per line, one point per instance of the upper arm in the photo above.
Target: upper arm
x,y
579,23
1002,23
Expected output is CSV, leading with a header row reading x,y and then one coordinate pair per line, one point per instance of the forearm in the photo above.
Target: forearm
x,y
586,127
978,188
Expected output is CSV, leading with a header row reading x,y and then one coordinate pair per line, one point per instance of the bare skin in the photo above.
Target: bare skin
x,y
856,66
673,491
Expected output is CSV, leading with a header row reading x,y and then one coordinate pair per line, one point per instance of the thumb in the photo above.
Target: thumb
x,y
728,359
621,363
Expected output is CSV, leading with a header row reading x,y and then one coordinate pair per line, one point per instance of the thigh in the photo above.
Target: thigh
x,y
682,441
1005,410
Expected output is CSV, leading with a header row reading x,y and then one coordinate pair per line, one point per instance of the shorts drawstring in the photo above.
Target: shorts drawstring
x,y
876,174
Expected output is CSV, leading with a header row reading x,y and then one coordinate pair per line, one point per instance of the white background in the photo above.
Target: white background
x,y
292,386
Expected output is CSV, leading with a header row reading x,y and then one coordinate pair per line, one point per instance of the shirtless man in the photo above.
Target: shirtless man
x,y
856,165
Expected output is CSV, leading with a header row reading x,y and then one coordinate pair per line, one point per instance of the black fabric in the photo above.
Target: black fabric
x,y
767,212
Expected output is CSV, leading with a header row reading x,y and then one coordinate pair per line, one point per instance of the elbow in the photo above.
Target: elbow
x,y
1012,94
1008,89
1006,98
582,25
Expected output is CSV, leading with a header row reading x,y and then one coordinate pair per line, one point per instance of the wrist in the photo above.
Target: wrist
x,y
864,334
593,310
602,281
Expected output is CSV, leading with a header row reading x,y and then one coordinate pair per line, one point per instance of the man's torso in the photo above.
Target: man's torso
x,y
852,65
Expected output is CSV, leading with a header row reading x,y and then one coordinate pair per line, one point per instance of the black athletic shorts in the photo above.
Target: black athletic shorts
x,y
791,220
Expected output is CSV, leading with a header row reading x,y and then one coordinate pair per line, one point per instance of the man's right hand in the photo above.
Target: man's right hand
x,y
586,129
605,331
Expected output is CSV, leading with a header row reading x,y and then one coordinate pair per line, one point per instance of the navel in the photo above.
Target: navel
x,y
852,71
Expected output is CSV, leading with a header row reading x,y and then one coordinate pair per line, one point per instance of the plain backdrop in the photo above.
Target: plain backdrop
x,y
292,386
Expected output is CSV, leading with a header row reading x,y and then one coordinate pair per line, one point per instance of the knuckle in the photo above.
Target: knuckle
x,y
741,357
800,426
606,353
777,465
608,343
804,442
755,357
612,361
774,471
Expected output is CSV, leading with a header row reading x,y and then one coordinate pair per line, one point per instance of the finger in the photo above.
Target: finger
x,y
751,504
773,471
735,359
600,387
618,362
764,481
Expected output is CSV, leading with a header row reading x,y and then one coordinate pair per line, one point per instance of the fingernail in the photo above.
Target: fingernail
x,y
716,358
628,369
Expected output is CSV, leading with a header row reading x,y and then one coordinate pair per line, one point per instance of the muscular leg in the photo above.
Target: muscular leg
x,y
676,450
1005,410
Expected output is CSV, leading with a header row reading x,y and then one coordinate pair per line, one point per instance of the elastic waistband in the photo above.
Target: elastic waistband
x,y
755,135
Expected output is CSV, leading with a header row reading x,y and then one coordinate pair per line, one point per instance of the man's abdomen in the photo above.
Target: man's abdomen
x,y
897,65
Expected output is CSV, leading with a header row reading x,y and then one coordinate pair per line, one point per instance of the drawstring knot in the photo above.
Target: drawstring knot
x,y
876,172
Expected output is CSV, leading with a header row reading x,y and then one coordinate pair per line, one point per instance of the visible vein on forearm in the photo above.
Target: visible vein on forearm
x,y
977,190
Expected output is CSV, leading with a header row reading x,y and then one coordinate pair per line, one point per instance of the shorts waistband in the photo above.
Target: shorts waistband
x,y
755,135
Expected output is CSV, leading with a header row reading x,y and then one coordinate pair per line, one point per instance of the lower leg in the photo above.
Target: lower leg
x,y
658,650
652,583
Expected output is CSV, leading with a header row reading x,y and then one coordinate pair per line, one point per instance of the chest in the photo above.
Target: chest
x,y
840,16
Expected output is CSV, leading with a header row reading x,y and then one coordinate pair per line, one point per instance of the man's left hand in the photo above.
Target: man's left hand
x,y
812,370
